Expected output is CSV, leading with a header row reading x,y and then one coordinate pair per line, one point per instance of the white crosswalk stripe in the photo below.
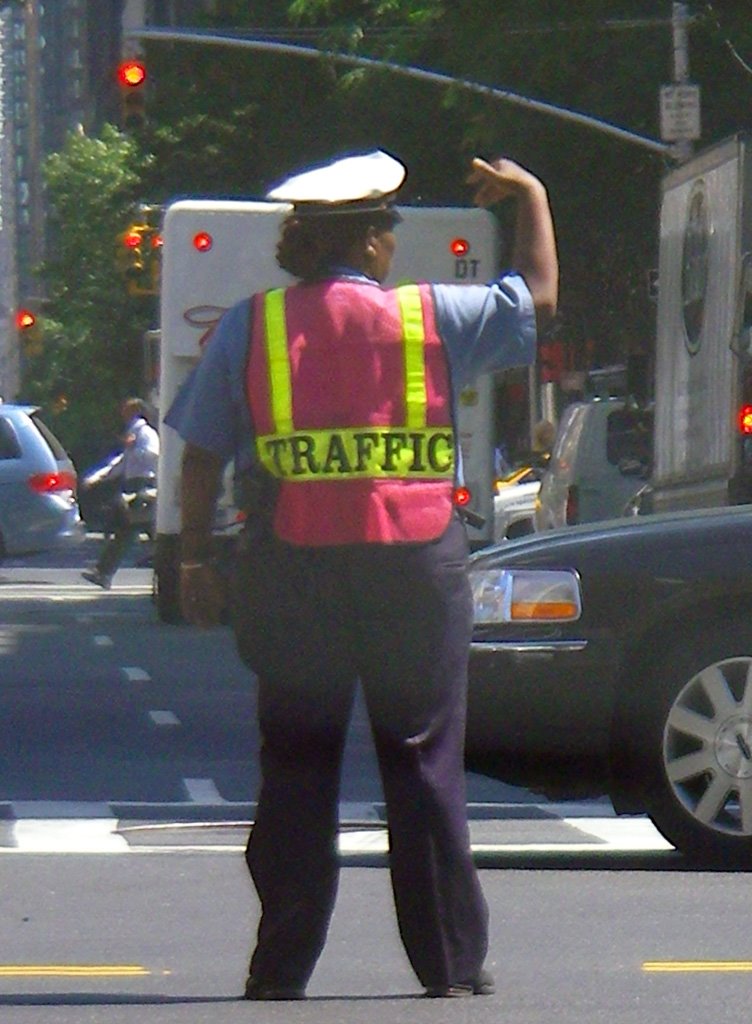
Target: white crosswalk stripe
x,y
513,829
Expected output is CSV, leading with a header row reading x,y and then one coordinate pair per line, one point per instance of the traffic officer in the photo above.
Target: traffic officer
x,y
336,397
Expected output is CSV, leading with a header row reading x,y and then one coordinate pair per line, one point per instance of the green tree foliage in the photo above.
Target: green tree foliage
x,y
90,356
233,122
606,59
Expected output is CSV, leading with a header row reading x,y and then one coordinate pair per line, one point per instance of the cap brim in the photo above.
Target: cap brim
x,y
384,209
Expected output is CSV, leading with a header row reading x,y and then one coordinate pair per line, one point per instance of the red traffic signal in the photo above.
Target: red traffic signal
x,y
25,319
29,332
138,258
131,73
745,420
133,238
131,76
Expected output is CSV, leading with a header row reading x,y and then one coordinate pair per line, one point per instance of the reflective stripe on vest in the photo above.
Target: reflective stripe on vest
x,y
412,451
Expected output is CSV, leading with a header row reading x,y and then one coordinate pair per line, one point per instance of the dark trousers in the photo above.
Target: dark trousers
x,y
127,521
124,535
310,623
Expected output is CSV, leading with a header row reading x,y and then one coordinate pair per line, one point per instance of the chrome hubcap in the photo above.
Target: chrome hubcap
x,y
707,747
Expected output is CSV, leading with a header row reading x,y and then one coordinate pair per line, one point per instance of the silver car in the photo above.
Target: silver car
x,y
600,460
38,506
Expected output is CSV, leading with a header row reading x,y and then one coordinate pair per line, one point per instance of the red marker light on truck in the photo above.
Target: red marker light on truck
x,y
462,496
203,241
745,419
459,247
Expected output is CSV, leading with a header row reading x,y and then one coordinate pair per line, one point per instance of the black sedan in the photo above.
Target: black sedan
x,y
616,658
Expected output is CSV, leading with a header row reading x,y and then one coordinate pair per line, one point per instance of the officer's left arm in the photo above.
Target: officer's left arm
x,y
486,327
534,254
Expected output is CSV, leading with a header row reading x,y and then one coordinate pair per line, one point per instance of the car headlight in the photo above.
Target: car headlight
x,y
525,595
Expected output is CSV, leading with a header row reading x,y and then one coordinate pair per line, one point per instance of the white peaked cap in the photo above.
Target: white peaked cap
x,y
354,183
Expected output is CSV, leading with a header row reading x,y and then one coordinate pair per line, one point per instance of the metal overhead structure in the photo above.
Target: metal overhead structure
x,y
503,95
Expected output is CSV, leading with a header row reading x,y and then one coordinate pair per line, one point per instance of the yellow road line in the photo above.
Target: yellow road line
x,y
72,970
679,966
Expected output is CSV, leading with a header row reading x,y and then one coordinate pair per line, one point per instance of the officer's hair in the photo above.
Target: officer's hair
x,y
311,245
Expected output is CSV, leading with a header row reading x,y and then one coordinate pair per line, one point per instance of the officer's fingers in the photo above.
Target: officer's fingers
x,y
480,166
479,171
489,193
490,182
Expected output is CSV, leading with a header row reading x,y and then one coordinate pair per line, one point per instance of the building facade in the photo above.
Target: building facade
x,y
58,61
56,74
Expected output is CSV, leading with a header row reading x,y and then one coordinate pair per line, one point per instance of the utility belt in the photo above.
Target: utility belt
x,y
257,493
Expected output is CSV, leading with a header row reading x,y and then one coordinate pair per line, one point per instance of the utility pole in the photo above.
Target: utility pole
x,y
9,360
679,22
34,145
680,101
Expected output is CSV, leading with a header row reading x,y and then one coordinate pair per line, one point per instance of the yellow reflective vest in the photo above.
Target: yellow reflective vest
x,y
349,393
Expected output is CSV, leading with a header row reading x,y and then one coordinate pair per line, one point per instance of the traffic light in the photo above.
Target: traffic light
x,y
131,76
29,332
138,258
25,320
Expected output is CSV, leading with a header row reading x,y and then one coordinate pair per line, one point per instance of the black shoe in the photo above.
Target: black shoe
x,y
94,576
261,990
481,985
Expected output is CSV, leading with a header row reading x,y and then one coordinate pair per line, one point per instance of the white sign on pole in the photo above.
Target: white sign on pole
x,y
680,112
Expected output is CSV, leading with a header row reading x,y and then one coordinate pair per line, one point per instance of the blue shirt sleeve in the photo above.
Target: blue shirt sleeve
x,y
486,327
210,410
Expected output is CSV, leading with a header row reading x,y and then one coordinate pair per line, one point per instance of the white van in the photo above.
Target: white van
x,y
601,458
216,251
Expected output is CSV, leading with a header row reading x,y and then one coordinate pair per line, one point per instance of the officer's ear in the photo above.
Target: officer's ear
x,y
371,238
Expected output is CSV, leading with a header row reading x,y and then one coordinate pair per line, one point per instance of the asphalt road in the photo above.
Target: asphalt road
x,y
113,728
165,938
102,702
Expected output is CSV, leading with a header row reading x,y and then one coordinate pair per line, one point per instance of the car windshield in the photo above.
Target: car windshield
x,y
629,435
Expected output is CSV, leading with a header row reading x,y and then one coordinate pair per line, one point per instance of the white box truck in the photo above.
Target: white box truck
x,y
702,451
216,252
700,416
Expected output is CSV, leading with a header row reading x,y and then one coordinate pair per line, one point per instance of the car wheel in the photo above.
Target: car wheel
x,y
697,745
